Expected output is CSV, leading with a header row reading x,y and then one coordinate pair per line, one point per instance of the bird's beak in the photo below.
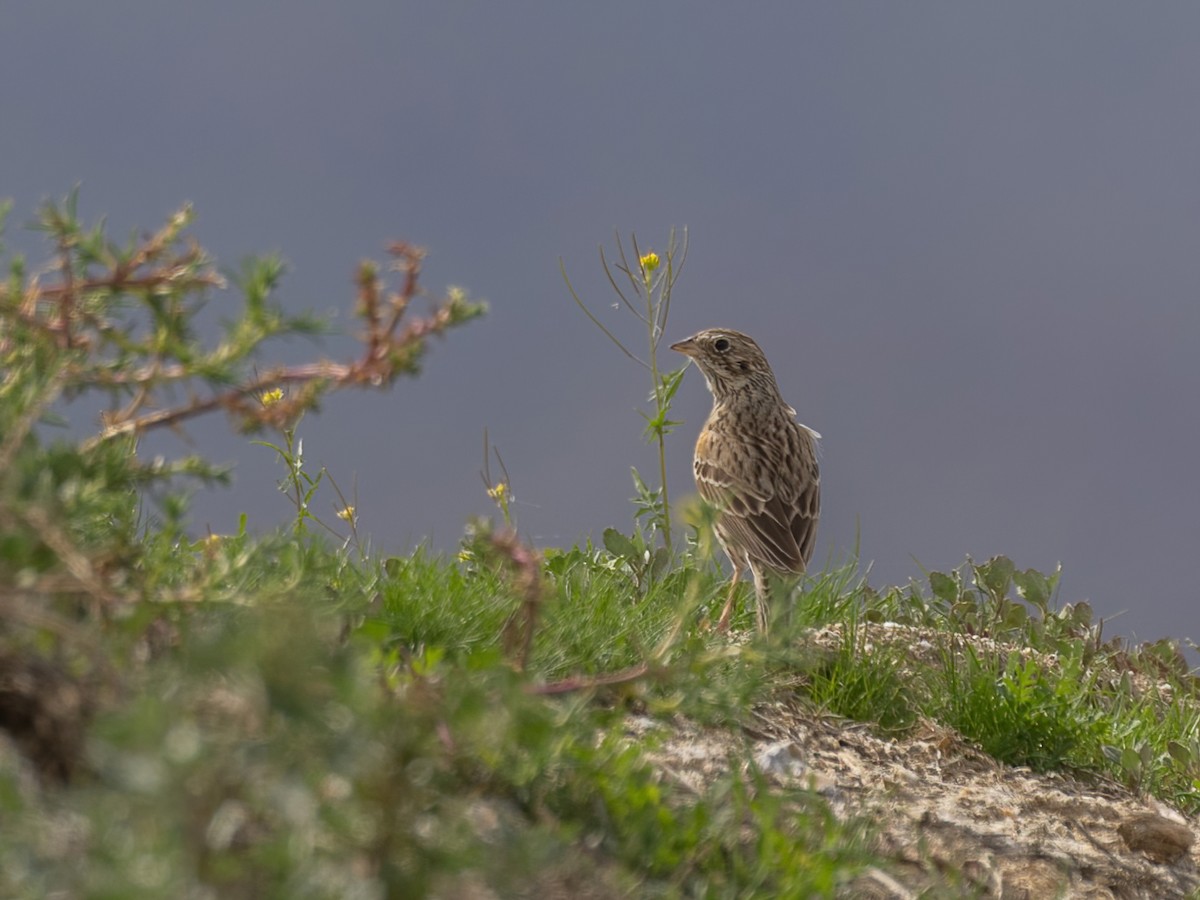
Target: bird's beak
x,y
687,348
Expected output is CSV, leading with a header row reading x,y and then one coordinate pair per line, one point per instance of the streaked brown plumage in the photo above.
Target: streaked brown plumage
x,y
755,463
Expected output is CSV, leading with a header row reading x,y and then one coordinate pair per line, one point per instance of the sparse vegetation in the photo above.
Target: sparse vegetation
x,y
649,282
284,715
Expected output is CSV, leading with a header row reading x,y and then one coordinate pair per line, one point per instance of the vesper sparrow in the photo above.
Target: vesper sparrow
x,y
755,463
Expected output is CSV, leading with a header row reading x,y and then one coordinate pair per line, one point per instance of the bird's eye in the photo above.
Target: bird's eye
x,y
721,345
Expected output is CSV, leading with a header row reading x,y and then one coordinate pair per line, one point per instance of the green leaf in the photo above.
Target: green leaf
x,y
1180,753
1131,762
1146,753
945,587
1033,587
619,545
670,383
1014,616
995,576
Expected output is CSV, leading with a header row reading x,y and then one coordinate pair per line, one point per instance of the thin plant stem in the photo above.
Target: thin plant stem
x,y
659,401
648,298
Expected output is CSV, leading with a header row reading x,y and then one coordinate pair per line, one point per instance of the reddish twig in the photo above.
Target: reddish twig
x,y
585,683
526,564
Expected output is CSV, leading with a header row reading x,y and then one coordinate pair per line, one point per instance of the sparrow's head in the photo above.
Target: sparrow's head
x,y
729,360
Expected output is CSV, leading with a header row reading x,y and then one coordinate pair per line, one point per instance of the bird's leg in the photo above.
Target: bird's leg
x,y
723,622
761,596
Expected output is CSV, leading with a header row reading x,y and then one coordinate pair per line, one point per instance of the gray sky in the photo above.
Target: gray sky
x,y
964,234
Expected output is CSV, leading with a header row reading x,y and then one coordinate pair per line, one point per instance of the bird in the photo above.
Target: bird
x,y
755,464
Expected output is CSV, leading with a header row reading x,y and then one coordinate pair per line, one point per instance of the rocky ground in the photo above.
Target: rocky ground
x,y
942,806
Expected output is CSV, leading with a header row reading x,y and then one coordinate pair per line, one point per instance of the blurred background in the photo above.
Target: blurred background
x,y
965,235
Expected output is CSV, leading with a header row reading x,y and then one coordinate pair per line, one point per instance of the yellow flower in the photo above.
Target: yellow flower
x,y
465,555
498,492
270,398
649,261
346,514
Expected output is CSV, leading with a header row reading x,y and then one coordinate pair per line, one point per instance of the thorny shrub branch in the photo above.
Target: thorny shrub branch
x,y
137,352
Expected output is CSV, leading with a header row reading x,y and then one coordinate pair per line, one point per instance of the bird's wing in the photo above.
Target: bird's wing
x,y
768,512
807,511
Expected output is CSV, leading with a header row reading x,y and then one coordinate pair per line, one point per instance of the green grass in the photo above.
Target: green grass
x,y
278,753
320,725
1018,711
